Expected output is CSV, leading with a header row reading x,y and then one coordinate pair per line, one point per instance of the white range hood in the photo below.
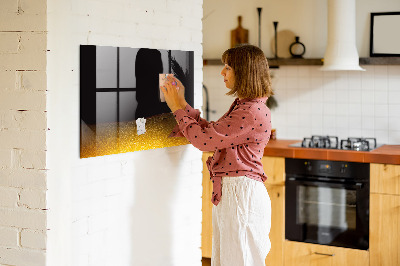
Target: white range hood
x,y
341,51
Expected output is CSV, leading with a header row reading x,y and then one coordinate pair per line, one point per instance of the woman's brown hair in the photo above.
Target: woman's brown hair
x,y
250,66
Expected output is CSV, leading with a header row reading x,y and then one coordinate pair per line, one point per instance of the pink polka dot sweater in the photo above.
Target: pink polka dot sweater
x,y
238,139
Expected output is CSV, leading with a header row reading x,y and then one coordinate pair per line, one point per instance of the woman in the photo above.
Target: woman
x,y
242,208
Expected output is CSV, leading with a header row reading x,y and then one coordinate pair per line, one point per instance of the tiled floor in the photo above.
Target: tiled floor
x,y
206,261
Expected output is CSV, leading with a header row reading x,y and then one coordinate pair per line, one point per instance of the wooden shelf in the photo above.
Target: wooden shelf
x,y
380,61
273,63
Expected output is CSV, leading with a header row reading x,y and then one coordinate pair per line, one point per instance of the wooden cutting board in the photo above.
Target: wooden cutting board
x,y
239,35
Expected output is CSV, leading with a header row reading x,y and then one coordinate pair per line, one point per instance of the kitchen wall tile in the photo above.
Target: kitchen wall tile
x,y
369,70
380,71
292,82
342,96
331,131
329,93
328,74
316,72
342,133
394,137
303,82
291,132
381,136
281,109
367,122
278,71
354,122
278,119
305,95
355,132
317,131
329,122
394,110
355,109
394,97
342,109
304,109
342,80
292,95
304,72
381,84
281,132
329,109
354,80
382,123
367,110
381,97
381,110
355,96
393,71
394,123
293,120
291,71
355,74
278,83
367,82
317,95
304,131
367,133
342,122
317,108
316,82
367,96
317,121
394,82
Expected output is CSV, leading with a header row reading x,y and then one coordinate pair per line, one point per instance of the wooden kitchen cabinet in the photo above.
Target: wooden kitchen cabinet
x,y
384,236
206,232
305,254
385,178
277,233
274,168
385,215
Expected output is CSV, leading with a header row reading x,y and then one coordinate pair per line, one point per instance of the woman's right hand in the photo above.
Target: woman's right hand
x,y
181,91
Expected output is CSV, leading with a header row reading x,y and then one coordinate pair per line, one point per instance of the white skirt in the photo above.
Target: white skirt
x,y
241,223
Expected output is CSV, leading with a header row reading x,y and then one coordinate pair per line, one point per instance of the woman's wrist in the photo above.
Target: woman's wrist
x,y
183,104
177,107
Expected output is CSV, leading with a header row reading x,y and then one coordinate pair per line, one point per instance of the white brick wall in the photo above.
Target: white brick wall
x,y
23,132
141,208
34,239
100,209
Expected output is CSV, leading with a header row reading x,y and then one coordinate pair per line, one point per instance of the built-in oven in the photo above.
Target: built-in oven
x,y
327,202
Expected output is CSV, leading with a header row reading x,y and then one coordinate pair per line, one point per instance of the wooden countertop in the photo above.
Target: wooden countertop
x,y
389,154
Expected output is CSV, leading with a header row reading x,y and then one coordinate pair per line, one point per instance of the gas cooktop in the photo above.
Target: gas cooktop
x,y
332,142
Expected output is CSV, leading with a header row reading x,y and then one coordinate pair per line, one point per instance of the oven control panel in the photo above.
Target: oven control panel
x,y
337,169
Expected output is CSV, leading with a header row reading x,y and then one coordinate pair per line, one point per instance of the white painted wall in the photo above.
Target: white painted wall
x,y
141,208
311,102
305,18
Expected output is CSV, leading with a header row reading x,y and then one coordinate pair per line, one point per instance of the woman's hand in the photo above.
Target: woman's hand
x,y
181,91
174,93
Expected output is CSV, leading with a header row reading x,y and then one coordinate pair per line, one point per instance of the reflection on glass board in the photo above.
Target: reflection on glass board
x,y
106,67
119,85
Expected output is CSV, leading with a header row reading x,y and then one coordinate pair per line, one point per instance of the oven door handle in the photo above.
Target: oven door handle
x,y
324,254
351,185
